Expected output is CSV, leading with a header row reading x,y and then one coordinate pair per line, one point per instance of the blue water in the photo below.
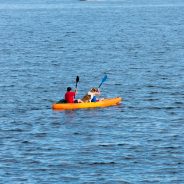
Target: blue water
x,y
45,45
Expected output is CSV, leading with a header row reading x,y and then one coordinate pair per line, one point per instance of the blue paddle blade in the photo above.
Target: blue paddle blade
x,y
103,80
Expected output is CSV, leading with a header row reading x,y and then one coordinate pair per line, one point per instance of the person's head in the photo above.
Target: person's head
x,y
93,90
69,89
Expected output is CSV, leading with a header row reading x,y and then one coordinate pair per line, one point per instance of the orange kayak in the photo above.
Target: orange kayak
x,y
103,103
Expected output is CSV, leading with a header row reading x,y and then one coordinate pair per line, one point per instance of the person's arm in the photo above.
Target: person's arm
x,y
98,93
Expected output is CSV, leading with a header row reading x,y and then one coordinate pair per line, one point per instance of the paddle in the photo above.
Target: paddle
x,y
77,80
103,80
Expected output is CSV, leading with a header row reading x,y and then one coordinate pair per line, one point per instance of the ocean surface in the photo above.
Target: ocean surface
x,y
45,44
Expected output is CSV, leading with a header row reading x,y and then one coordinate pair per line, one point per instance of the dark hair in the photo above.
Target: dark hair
x,y
69,88
94,90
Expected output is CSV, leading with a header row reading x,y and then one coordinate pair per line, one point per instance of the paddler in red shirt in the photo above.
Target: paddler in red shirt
x,y
70,96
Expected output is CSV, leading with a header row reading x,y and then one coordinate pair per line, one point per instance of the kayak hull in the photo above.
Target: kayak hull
x,y
103,103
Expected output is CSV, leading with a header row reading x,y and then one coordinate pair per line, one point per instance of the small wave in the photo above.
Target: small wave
x,y
178,103
154,108
150,86
9,160
26,142
111,145
151,99
102,163
97,163
153,92
42,134
14,130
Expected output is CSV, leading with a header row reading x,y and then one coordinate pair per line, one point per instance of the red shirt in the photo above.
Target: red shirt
x,y
70,96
